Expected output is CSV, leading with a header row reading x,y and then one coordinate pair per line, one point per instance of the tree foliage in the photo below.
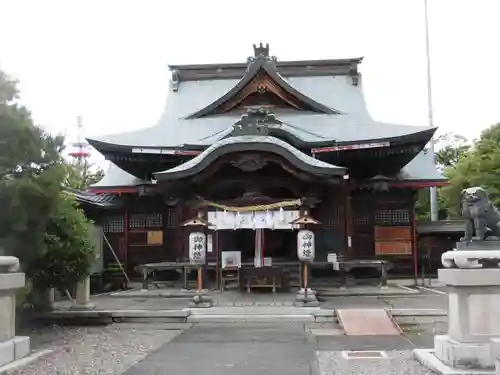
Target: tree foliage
x,y
82,174
30,175
480,166
451,148
68,254
38,222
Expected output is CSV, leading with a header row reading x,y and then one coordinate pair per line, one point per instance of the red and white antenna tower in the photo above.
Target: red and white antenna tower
x,y
80,150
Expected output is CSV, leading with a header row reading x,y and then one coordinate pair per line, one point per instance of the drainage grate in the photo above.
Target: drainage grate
x,y
372,354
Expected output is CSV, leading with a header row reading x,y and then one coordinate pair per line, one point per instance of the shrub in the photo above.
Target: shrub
x,y
68,253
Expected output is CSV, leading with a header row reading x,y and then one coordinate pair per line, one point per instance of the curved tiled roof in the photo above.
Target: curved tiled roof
x,y
268,66
174,130
251,143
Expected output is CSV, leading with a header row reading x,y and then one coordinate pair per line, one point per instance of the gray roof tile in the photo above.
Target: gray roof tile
x,y
255,139
117,177
421,168
336,92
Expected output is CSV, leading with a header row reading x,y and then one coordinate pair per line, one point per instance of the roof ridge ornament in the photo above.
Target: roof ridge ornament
x,y
255,122
261,52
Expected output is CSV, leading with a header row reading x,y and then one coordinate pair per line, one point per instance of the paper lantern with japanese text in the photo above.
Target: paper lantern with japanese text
x,y
305,245
197,247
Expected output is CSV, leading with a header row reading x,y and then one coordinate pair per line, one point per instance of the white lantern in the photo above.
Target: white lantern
x,y
197,247
305,245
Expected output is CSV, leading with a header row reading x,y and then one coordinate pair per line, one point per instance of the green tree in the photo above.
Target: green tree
x,y
479,167
39,223
451,148
68,251
82,174
30,175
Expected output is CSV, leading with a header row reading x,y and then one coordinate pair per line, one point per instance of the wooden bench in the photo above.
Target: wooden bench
x,y
262,277
148,271
381,265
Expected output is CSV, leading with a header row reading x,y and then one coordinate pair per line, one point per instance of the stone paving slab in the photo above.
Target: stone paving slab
x,y
339,343
397,362
153,293
240,358
105,302
244,332
244,349
389,290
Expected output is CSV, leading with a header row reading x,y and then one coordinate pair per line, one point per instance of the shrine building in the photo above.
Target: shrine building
x,y
251,147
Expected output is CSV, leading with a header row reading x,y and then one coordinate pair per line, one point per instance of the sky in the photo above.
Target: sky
x,y
106,60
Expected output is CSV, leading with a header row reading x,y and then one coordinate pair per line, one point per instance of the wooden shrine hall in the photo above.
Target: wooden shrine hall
x,y
250,148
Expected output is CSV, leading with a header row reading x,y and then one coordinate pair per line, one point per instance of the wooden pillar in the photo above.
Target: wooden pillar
x,y
215,247
125,240
179,232
414,238
348,218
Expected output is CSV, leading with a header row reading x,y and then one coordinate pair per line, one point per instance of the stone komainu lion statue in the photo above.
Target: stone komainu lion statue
x,y
481,216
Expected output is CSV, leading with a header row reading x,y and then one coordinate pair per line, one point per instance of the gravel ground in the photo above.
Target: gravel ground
x,y
94,350
397,363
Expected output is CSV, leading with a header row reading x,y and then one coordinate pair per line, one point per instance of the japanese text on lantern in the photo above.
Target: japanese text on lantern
x,y
197,247
305,245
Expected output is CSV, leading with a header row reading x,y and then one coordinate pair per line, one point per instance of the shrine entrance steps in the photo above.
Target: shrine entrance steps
x,y
367,322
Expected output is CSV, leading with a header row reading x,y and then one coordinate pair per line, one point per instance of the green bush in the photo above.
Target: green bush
x,y
68,252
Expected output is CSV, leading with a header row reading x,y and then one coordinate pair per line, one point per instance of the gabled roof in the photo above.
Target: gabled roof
x,y
262,76
421,168
329,86
117,177
244,143
88,199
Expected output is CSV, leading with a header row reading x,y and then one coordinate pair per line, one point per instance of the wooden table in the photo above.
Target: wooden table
x,y
182,267
382,265
261,277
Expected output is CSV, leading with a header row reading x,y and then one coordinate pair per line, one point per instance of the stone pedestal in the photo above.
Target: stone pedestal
x,y
495,353
473,320
473,317
11,347
83,296
303,300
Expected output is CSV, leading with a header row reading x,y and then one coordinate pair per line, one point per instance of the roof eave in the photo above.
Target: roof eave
x,y
250,74
169,175
304,63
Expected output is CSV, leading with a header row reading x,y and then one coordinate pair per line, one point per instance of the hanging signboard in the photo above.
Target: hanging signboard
x,y
305,245
197,247
253,220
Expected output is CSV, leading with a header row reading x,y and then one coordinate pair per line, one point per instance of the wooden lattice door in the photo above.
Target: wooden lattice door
x,y
363,238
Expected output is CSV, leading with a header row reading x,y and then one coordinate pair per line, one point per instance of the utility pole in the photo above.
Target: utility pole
x,y
432,190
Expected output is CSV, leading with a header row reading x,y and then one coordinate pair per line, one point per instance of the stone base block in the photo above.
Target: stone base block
x,y
14,349
309,300
463,355
81,307
21,347
427,358
474,303
495,353
201,302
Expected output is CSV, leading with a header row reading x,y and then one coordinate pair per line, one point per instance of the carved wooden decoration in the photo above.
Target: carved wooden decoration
x,y
262,84
249,162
